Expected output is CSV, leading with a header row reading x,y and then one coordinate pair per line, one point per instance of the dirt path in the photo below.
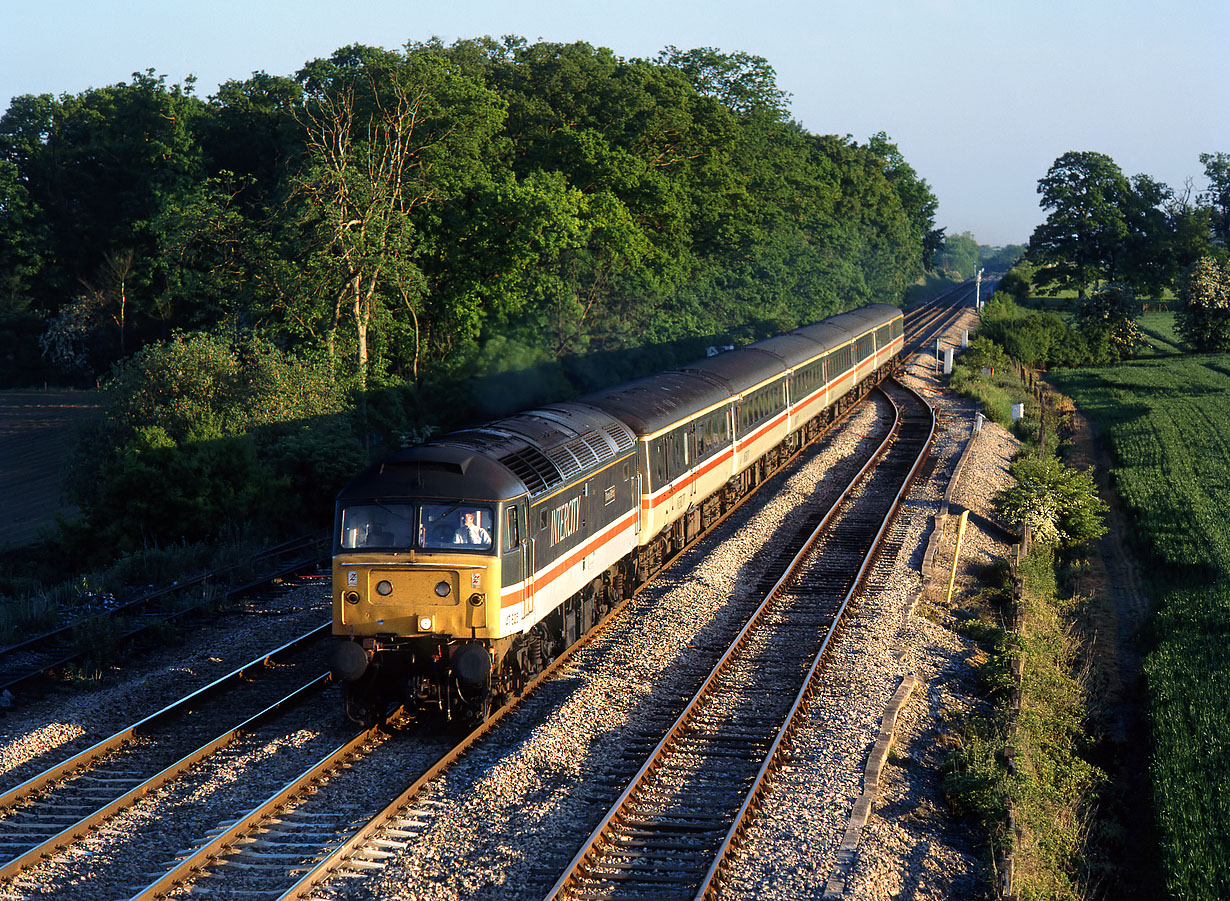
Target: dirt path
x,y
1118,611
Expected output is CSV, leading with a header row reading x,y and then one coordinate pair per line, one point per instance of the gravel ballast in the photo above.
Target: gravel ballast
x,y
498,825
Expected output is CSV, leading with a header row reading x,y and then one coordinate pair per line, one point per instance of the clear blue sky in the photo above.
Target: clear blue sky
x,y
981,96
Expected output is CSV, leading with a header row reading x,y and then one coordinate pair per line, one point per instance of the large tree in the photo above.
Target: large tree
x,y
1217,197
385,133
1081,242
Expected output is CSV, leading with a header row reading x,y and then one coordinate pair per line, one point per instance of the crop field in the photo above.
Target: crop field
x,y
36,428
1168,421
1159,329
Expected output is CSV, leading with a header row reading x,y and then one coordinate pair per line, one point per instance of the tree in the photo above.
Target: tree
x,y
1000,259
1107,319
1217,197
381,131
917,198
743,83
1081,240
96,168
71,340
1204,319
1145,263
1060,505
959,256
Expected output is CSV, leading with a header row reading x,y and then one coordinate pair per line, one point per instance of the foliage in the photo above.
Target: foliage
x,y
959,257
1052,787
202,434
1033,337
1017,283
1204,319
1085,194
1103,227
1107,320
1217,197
1055,787
1059,504
1000,259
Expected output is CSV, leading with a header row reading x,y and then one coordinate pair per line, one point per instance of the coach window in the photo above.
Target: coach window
x,y
657,461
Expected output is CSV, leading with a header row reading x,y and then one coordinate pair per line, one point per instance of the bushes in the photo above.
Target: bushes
x,y
1033,337
202,434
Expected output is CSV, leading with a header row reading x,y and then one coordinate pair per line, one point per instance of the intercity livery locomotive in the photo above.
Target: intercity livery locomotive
x,y
463,566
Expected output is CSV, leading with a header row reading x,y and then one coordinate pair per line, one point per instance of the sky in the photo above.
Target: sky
x,y
980,96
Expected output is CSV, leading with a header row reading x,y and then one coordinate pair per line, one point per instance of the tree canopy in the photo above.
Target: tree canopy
x,y
1104,227
406,223
401,209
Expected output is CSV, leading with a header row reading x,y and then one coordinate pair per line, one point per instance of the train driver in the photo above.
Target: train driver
x,y
470,532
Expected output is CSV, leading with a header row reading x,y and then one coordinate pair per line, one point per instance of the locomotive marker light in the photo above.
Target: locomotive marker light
x,y
352,597
384,588
443,589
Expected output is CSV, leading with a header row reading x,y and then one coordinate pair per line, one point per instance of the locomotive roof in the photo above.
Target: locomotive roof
x,y
532,452
651,403
433,471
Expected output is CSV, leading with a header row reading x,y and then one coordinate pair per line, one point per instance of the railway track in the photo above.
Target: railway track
x,y
668,833
27,664
65,803
924,323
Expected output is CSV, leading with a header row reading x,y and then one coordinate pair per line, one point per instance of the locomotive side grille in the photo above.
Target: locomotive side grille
x,y
567,461
533,468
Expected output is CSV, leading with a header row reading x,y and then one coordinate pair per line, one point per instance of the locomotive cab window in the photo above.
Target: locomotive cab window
x,y
512,531
456,527
382,526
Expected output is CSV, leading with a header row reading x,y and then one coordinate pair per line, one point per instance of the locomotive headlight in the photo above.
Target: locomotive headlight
x,y
424,623
351,597
384,588
443,589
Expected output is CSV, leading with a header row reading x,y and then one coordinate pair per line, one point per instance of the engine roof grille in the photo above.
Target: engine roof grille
x,y
533,468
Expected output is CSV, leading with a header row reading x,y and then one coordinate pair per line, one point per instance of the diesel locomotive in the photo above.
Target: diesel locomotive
x,y
463,566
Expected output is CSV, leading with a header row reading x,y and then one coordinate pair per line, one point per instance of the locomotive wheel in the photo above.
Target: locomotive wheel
x,y
366,701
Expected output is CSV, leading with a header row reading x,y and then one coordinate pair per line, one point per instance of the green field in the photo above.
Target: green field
x,y
1159,329
1168,421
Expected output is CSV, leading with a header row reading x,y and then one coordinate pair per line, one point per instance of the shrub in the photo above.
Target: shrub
x,y
202,435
